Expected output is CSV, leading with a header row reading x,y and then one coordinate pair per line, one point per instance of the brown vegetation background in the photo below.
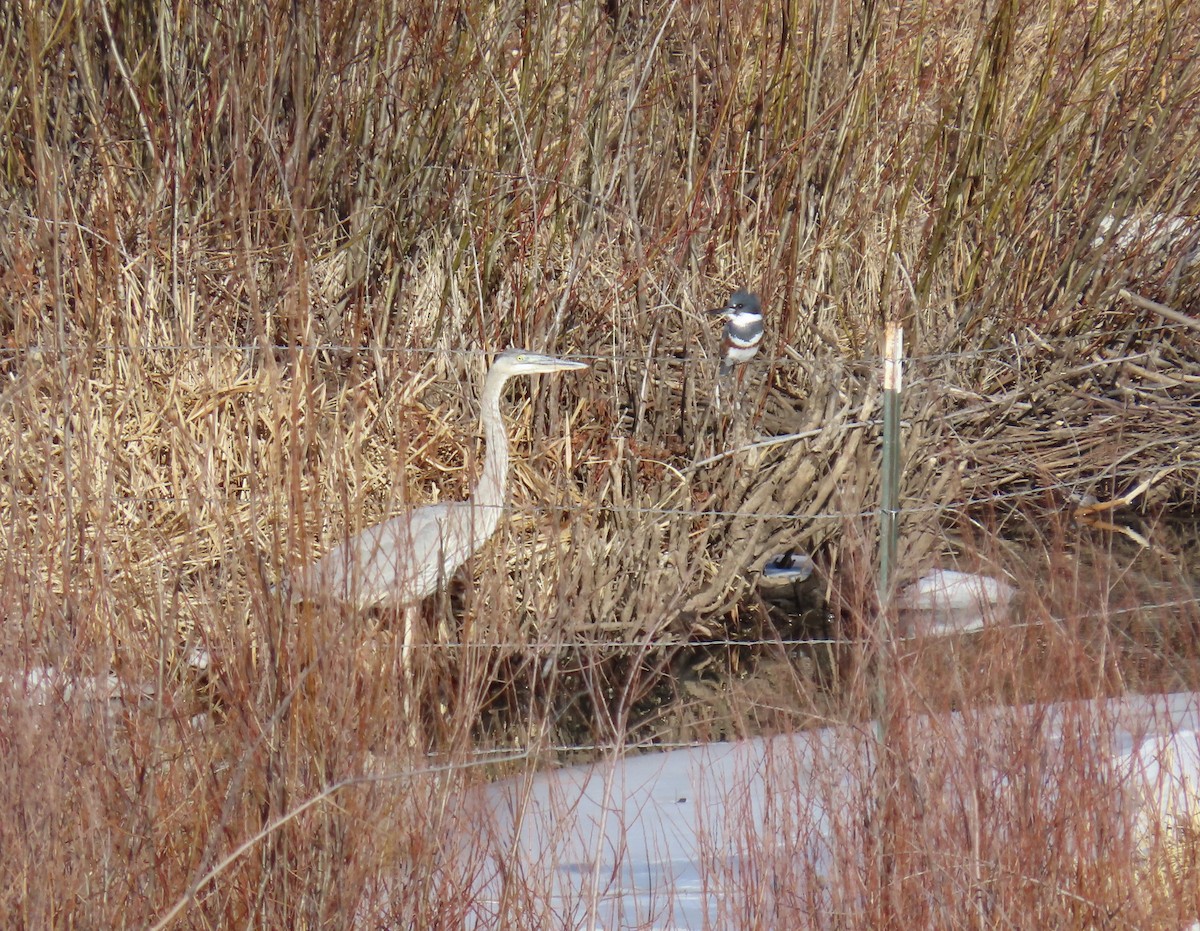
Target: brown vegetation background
x,y
255,259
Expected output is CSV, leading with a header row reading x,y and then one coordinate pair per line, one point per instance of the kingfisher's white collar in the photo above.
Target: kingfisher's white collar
x,y
742,318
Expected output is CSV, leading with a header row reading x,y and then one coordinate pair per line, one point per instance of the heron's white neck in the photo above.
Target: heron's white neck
x,y
491,490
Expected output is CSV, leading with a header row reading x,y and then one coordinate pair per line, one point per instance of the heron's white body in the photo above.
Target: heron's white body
x,y
410,556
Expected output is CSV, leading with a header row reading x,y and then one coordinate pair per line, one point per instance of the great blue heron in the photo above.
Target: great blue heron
x,y
404,559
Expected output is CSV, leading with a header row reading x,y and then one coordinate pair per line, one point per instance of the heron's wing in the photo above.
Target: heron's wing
x,y
440,538
400,560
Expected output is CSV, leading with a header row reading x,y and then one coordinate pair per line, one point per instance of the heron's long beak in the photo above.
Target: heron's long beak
x,y
556,364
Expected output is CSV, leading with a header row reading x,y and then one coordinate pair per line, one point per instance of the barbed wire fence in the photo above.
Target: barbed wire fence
x,y
22,362
1016,357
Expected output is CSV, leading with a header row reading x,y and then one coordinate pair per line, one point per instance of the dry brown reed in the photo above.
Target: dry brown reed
x,y
254,259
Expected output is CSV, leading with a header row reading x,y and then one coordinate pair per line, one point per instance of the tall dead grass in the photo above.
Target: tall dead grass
x,y
252,263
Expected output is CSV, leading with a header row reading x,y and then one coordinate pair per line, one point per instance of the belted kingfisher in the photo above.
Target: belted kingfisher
x,y
743,329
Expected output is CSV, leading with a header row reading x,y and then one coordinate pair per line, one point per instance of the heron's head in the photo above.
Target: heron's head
x,y
523,362
742,306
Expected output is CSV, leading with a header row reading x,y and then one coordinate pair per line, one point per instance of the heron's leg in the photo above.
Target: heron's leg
x,y
412,704
412,617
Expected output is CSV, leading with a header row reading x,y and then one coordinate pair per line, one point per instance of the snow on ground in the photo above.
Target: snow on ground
x,y
946,602
677,839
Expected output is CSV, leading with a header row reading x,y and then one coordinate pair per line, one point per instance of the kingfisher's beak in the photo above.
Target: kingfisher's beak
x,y
721,313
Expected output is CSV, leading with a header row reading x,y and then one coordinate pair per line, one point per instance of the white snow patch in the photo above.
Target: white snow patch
x,y
946,601
681,839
